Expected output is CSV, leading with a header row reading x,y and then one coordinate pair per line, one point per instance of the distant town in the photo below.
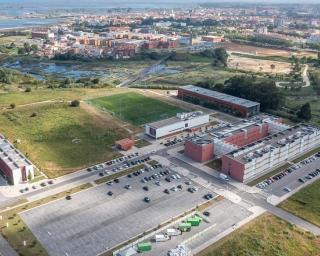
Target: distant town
x,y
152,131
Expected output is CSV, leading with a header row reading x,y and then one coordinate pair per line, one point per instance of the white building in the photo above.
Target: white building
x,y
14,166
181,122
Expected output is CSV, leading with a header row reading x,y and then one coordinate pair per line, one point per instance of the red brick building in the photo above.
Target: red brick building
x,y
248,135
200,150
124,144
220,101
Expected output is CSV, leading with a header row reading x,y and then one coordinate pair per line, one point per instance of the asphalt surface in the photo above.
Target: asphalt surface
x,y
217,219
5,248
93,221
291,180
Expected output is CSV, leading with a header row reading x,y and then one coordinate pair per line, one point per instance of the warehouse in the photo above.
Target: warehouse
x,y
177,124
15,167
258,158
220,101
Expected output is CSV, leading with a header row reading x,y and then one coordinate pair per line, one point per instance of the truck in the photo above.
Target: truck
x,y
193,221
173,232
185,227
224,177
161,238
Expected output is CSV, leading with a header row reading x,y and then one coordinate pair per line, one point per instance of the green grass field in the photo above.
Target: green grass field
x,y
305,203
136,108
47,138
38,95
266,236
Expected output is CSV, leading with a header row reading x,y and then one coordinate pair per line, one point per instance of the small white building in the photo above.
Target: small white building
x,y
179,123
14,166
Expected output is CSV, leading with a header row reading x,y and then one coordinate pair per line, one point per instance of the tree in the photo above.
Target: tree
x,y
75,103
305,112
96,80
272,66
28,89
12,105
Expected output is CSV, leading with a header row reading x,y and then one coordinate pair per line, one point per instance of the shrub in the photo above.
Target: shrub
x,y
75,103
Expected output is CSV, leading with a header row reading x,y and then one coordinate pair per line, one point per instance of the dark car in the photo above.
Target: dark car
x,y
50,182
146,188
168,179
166,191
206,214
116,180
68,197
147,199
110,193
101,174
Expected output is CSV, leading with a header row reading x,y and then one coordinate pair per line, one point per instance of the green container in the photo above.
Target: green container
x,y
184,226
144,247
198,217
194,221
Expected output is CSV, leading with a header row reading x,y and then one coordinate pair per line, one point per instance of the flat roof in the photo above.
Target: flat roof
x,y
221,96
175,119
253,150
12,156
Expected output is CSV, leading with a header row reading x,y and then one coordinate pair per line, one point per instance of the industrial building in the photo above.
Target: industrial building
x,y
246,163
224,102
177,124
14,166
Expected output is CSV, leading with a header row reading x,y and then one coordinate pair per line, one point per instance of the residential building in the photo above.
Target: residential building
x,y
14,166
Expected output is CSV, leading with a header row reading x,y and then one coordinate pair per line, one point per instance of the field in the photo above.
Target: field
x,y
40,95
61,139
136,108
266,236
305,203
188,73
258,65
261,51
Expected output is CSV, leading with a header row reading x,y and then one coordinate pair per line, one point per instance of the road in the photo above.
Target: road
x,y
251,199
305,79
143,73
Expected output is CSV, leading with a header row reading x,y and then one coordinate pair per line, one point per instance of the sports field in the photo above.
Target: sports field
x,y
266,236
60,139
135,108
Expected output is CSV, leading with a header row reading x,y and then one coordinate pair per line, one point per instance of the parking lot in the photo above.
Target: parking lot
x,y
298,175
217,220
96,220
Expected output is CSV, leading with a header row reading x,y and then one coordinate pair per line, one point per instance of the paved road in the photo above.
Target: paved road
x,y
143,73
5,248
251,199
